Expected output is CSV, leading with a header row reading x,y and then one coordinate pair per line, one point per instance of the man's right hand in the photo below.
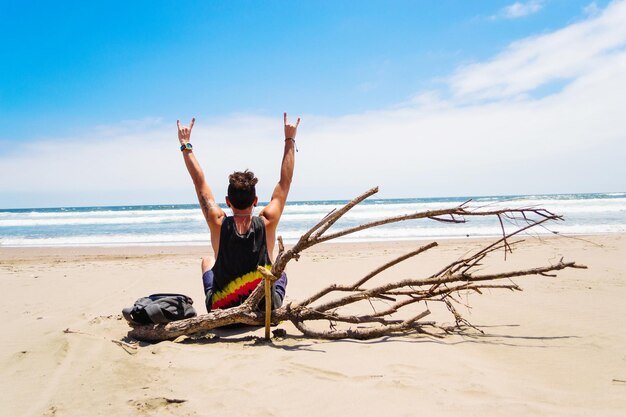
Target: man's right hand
x,y
184,133
291,130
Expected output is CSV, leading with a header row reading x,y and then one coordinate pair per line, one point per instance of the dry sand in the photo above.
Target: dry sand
x,y
556,349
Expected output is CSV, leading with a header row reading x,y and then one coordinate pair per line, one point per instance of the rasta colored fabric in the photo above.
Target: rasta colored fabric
x,y
235,272
278,291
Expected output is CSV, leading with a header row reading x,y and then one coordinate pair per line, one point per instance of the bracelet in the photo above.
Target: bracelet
x,y
186,147
294,142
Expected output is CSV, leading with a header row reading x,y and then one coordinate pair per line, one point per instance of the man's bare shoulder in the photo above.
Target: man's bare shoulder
x,y
270,220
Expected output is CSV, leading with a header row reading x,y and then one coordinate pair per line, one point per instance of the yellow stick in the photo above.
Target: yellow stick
x,y
268,307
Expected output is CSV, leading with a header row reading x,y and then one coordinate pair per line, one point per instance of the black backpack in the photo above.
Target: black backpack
x,y
160,308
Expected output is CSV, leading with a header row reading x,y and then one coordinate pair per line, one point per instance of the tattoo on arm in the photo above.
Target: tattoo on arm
x,y
206,204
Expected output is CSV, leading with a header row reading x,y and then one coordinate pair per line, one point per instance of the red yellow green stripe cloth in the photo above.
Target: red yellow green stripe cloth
x,y
237,290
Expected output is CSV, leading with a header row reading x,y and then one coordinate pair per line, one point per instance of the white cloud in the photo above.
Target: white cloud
x,y
566,54
491,135
137,159
520,9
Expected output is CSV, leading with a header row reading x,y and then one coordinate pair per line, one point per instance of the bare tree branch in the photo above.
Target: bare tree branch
x,y
455,278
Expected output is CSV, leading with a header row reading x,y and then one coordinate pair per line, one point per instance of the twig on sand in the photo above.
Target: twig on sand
x,y
123,344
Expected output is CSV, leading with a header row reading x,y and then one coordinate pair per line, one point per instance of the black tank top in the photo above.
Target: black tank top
x,y
235,272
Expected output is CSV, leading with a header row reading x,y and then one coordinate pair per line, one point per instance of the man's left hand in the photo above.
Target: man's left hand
x,y
184,133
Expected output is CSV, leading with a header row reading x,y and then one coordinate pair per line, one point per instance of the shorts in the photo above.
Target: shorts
x,y
279,289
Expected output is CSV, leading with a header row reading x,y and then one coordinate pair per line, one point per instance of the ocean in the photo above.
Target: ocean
x,y
183,224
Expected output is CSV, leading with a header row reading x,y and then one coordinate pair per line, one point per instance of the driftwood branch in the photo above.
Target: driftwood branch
x,y
328,303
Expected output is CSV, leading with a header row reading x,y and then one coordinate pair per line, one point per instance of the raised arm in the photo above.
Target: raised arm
x,y
213,214
274,209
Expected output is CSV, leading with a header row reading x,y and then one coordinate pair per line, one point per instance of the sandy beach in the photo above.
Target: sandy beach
x,y
555,349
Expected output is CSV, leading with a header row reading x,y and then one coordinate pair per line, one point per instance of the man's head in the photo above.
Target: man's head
x,y
241,189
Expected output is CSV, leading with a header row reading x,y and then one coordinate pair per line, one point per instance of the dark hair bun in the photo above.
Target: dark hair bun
x,y
243,180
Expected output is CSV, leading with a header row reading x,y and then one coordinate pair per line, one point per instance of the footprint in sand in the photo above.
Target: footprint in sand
x,y
321,373
155,403
52,411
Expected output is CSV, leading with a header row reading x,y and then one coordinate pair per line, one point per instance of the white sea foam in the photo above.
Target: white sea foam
x,y
299,213
94,213
74,221
97,240
375,234
586,214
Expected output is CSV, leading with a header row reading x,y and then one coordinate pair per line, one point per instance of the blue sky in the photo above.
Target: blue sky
x,y
83,82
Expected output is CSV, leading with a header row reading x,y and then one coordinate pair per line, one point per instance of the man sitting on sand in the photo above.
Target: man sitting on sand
x,y
241,242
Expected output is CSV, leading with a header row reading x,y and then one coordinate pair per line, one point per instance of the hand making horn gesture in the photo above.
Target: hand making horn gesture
x,y
184,133
291,130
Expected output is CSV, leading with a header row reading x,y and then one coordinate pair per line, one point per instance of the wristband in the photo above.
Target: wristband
x,y
186,147
294,142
